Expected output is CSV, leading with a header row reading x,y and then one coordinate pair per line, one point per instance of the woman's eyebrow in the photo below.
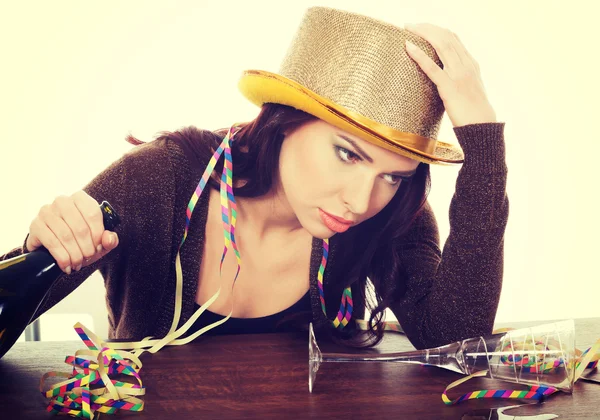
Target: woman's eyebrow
x,y
403,173
362,153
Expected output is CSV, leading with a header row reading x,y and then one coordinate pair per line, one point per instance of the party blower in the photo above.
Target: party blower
x,y
541,356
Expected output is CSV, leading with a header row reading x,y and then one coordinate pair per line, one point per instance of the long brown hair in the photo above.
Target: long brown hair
x,y
366,249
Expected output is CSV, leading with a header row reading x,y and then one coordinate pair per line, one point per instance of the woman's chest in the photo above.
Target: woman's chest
x,y
272,276
259,291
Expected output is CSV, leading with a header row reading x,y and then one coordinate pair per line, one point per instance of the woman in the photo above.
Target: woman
x,y
329,187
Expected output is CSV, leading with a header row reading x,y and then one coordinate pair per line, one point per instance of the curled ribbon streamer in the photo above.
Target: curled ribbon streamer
x,y
76,397
586,360
345,312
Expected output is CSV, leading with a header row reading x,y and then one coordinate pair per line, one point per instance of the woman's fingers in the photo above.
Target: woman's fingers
x,y
110,240
40,234
459,83
92,215
429,67
441,39
460,47
72,230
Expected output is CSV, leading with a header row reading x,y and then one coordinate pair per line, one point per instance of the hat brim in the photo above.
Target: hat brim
x,y
261,87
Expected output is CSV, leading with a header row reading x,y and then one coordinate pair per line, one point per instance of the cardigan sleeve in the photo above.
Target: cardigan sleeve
x,y
454,294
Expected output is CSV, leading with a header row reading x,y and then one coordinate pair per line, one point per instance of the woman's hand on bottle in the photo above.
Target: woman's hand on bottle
x,y
71,228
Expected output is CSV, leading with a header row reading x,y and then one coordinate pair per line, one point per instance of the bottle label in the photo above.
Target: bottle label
x,y
12,261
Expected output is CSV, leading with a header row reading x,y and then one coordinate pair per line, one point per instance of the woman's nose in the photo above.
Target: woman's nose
x,y
357,194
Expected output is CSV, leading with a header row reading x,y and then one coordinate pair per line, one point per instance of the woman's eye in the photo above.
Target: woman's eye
x,y
393,180
346,155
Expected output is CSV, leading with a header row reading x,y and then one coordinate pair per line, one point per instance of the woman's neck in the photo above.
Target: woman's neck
x,y
267,216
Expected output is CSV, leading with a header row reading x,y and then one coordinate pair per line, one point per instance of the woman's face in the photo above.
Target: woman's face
x,y
327,174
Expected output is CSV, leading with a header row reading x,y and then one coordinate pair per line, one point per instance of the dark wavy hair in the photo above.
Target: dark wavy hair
x,y
255,153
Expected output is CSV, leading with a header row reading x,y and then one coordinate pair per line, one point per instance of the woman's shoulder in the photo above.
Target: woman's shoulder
x,y
194,144
188,139
187,149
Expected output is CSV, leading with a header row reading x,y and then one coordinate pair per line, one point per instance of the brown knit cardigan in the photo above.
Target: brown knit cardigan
x,y
449,295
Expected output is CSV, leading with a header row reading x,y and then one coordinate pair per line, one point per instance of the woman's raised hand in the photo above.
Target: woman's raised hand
x,y
459,83
71,228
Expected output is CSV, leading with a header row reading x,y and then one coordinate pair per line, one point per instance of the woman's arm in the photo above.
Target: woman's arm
x,y
109,186
113,185
454,294
112,174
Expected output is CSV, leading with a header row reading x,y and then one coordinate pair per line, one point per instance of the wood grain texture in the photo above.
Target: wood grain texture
x,y
266,376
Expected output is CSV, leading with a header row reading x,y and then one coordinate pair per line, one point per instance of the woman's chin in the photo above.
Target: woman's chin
x,y
316,228
320,231
325,235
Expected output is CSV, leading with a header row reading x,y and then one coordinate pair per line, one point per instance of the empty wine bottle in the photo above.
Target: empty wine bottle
x,y
24,282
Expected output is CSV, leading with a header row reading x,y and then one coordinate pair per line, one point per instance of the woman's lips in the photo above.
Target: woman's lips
x,y
333,223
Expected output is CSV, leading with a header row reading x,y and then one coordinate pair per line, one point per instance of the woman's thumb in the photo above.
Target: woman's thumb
x,y
110,240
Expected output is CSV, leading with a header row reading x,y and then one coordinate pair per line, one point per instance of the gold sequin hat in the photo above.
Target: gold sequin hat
x,y
353,72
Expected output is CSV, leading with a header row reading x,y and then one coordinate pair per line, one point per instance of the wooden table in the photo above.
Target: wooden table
x,y
265,376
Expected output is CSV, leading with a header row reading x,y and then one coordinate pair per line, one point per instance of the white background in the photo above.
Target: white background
x,y
77,77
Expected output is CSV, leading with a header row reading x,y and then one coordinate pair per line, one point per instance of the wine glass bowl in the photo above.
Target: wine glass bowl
x,y
543,355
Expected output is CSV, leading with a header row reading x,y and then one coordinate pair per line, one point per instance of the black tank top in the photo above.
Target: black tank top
x,y
264,324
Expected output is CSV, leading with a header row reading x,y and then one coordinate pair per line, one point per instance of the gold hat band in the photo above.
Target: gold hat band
x,y
413,145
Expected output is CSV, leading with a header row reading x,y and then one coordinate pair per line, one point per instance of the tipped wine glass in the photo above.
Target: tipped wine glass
x,y
543,355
